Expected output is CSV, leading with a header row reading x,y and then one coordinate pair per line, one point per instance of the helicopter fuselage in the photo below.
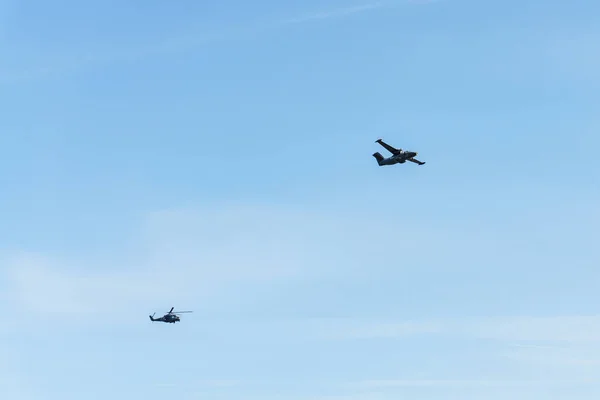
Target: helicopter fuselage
x,y
170,317
166,318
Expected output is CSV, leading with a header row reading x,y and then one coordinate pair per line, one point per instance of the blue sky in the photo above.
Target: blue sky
x,y
216,157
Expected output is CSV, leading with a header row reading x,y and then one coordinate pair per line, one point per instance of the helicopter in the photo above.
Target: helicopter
x,y
169,317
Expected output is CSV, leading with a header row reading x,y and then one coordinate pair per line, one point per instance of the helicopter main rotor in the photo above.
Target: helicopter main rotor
x,y
178,312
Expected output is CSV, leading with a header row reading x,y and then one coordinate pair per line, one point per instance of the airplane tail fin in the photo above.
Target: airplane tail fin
x,y
378,157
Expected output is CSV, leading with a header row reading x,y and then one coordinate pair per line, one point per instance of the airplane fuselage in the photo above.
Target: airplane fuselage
x,y
400,158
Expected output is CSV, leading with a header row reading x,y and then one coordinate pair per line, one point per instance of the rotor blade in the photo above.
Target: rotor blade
x,y
180,312
171,310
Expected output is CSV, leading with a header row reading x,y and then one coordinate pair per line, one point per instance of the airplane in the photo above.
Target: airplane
x,y
169,317
398,156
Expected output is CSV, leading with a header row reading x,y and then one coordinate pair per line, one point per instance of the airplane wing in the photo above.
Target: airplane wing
x,y
416,161
389,148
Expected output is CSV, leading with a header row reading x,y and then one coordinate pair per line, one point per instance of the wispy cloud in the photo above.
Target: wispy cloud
x,y
193,252
182,43
196,255
199,384
581,355
183,256
568,329
461,383
13,384
577,55
554,344
356,9
336,13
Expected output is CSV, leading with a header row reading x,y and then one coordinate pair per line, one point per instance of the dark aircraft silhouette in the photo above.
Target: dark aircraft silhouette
x,y
169,317
398,156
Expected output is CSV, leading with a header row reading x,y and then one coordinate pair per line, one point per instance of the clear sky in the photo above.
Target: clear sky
x,y
215,156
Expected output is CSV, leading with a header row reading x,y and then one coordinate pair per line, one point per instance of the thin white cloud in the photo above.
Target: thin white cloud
x,y
199,384
577,55
182,257
568,328
356,330
356,9
13,385
541,329
181,43
534,346
340,12
462,383
583,356
191,256
359,396
556,350
186,256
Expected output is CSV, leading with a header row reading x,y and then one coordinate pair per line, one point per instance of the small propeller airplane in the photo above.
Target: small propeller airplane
x,y
398,156
169,317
